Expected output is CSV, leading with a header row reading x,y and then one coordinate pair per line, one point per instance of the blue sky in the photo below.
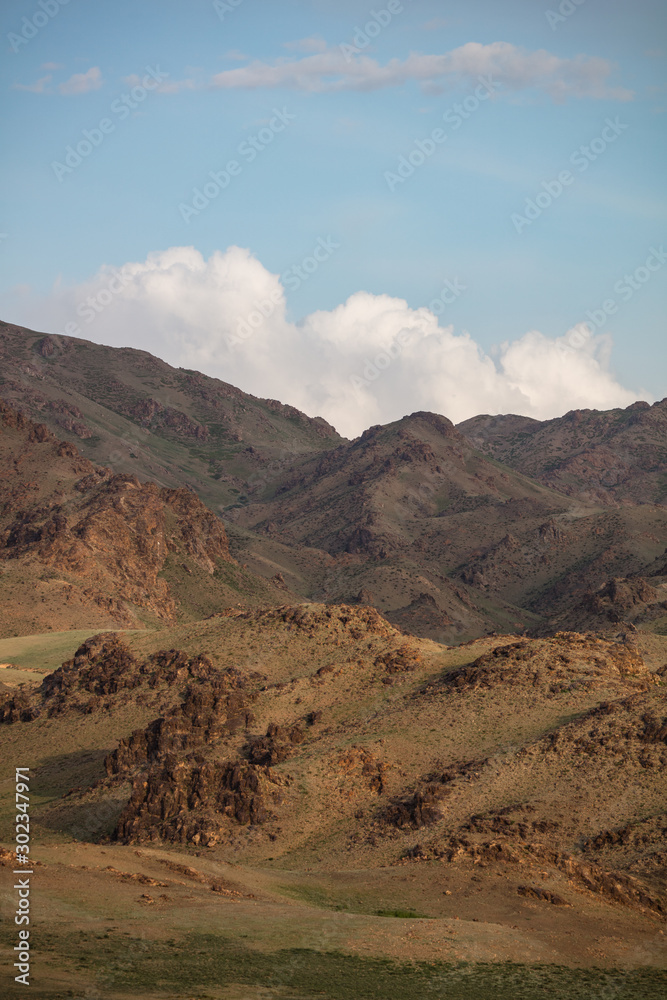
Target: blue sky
x,y
331,173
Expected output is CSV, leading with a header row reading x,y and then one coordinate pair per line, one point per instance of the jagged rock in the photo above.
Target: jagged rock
x,y
103,668
17,707
208,711
46,347
564,662
196,803
399,661
362,769
535,892
423,808
277,745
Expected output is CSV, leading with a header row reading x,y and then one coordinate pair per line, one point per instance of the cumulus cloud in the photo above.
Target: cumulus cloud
x,y
82,83
370,360
516,68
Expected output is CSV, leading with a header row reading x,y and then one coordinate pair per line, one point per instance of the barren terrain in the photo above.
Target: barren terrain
x,y
389,720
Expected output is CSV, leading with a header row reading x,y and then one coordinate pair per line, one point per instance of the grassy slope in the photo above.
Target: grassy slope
x,y
106,383
43,652
311,888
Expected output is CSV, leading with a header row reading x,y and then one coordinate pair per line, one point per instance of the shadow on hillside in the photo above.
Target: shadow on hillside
x,y
75,809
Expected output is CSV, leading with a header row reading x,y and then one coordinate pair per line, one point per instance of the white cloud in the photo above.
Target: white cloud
x,y
82,83
164,87
52,65
313,44
514,67
40,86
370,360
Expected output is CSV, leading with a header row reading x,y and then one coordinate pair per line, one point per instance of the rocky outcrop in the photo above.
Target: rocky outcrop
x,y
103,672
631,732
315,620
423,808
638,835
621,598
613,886
277,745
402,660
196,803
423,616
537,892
610,457
152,414
361,771
111,532
566,662
209,711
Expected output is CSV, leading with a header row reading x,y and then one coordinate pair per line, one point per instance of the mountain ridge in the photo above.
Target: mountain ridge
x,y
418,517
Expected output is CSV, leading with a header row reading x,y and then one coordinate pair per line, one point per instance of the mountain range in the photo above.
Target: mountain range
x,y
300,709
502,523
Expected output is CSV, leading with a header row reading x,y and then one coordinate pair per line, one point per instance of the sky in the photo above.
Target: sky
x,y
361,210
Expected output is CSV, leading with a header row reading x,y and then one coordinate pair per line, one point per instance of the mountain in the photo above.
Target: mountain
x,y
420,519
614,457
127,409
83,547
375,717
412,512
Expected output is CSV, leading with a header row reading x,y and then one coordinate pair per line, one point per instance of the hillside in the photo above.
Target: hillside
x,y
128,410
613,457
373,718
441,538
304,776
82,547
451,535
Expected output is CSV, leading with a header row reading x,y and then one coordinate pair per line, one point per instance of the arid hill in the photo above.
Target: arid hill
x,y
613,457
439,537
254,746
128,410
415,518
511,784
81,546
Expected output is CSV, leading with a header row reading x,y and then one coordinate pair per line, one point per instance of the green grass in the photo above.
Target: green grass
x,y
317,896
129,964
46,651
